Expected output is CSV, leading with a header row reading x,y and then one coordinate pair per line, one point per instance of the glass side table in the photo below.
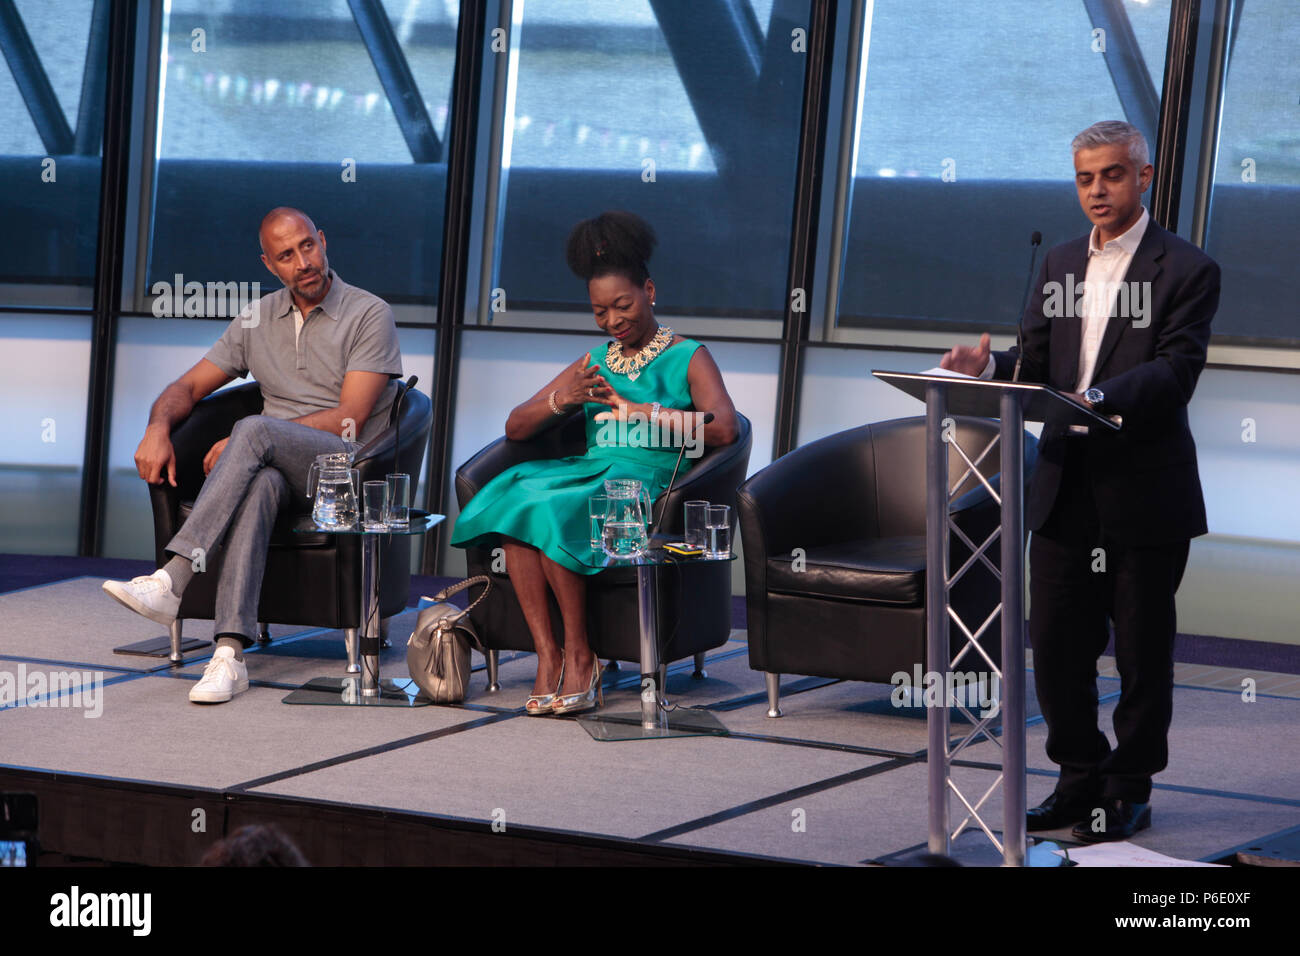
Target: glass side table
x,y
368,690
655,719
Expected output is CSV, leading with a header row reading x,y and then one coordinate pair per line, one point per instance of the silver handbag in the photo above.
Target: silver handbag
x,y
437,652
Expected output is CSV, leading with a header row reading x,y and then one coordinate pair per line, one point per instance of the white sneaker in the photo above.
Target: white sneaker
x,y
150,595
222,679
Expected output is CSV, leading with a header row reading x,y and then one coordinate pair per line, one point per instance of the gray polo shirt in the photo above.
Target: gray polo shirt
x,y
350,330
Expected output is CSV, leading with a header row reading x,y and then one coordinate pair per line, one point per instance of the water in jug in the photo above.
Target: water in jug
x,y
332,482
626,514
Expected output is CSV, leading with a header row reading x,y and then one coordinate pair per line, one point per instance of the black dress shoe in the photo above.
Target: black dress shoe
x,y
1058,811
1122,819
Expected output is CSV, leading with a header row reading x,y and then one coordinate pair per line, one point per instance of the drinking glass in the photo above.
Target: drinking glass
x,y
696,514
399,491
375,498
597,506
719,527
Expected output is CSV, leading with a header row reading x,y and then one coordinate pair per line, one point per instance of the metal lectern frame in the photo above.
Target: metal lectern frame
x,y
1011,403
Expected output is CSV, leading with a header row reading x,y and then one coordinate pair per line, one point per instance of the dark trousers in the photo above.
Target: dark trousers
x,y
1081,577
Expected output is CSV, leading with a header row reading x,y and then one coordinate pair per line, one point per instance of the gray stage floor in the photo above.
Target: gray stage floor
x,y
840,779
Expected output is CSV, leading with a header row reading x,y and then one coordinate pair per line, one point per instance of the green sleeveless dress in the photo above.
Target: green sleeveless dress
x,y
544,502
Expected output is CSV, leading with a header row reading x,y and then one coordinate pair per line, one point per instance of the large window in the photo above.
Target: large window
x,y
686,115
947,147
340,109
51,132
44,363
51,136
963,146
1254,224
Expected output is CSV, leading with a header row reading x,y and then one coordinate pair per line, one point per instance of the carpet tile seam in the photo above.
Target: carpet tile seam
x,y
371,751
776,799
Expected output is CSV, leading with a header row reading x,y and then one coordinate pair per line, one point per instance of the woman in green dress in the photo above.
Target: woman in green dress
x,y
642,392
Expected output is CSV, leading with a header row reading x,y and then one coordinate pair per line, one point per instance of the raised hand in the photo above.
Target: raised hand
x,y
582,382
619,406
968,360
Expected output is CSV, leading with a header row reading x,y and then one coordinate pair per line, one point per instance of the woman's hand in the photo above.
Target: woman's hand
x,y
620,407
581,382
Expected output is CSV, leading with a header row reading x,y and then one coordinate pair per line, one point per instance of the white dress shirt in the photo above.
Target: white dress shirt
x,y
1107,266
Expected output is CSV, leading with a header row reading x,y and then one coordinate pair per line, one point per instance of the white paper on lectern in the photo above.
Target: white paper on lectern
x,y
1123,853
946,372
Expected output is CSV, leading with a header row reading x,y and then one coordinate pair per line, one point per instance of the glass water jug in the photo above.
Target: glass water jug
x,y
626,515
333,483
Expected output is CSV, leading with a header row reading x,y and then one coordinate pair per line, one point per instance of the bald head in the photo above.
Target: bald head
x,y
285,215
294,250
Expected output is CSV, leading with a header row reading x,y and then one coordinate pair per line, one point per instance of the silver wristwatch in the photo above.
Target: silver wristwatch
x,y
1094,397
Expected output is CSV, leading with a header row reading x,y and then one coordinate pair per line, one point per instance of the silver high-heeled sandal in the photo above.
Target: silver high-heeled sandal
x,y
538,705
584,700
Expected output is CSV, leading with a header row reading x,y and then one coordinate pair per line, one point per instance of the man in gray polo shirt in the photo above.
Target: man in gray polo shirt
x,y
325,356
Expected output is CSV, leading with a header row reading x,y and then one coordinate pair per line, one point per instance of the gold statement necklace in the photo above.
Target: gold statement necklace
x,y
631,367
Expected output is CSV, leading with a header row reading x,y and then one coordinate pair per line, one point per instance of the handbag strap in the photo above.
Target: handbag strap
x,y
448,591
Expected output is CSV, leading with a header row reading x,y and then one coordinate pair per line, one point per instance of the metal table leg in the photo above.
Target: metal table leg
x,y
370,615
651,720
646,595
366,690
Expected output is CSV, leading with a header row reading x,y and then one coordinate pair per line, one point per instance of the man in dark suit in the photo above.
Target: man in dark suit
x,y
1120,321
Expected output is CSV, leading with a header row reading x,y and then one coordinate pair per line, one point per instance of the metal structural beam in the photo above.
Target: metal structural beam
x,y
114,178
399,83
803,226
462,139
1171,134
718,60
90,111
1128,69
33,82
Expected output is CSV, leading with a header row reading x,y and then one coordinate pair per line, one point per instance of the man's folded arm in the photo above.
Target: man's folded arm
x,y
374,357
356,401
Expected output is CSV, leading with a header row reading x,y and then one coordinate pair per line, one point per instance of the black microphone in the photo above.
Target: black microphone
x,y
708,417
1035,240
402,389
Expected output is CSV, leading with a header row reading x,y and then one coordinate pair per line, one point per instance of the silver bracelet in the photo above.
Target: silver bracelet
x,y
555,409
654,415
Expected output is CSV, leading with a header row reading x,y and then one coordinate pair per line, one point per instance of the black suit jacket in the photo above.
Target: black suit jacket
x,y
1144,477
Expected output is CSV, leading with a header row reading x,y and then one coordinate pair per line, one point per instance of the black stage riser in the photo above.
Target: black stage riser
x,y
124,821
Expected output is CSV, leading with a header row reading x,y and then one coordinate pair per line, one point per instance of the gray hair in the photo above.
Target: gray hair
x,y
1109,132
